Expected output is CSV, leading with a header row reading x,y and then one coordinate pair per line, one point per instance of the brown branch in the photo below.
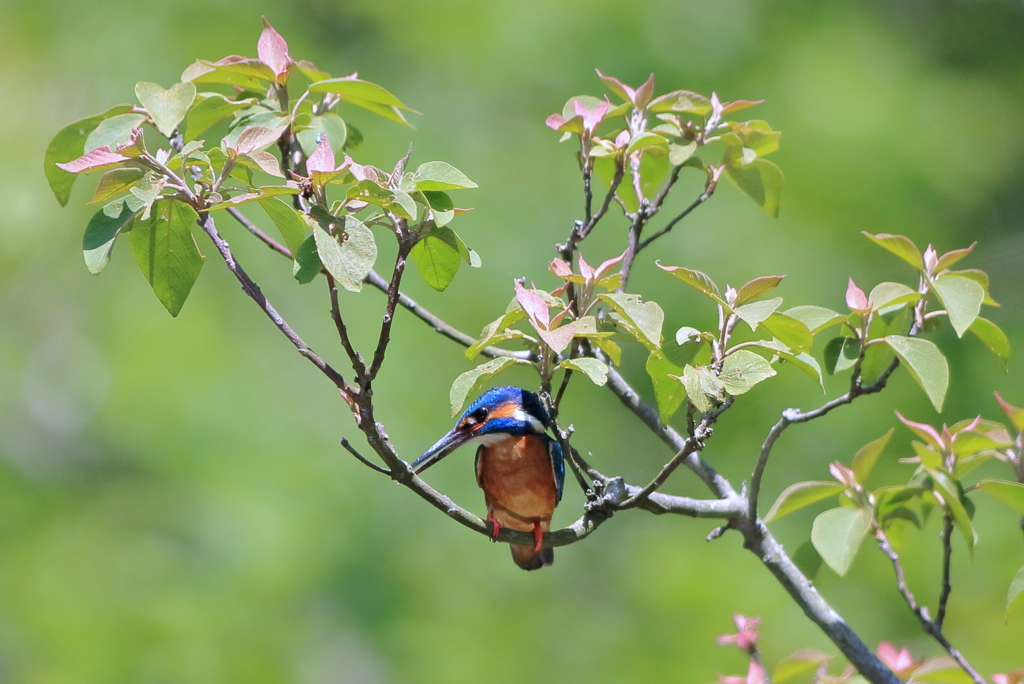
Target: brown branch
x,y
919,611
947,554
649,415
362,459
255,230
580,231
393,293
253,291
355,358
709,190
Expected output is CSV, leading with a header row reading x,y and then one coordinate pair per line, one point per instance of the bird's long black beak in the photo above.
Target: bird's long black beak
x,y
444,446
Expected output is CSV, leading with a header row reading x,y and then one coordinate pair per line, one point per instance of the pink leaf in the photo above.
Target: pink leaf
x,y
925,432
617,87
585,270
606,266
591,117
555,121
560,268
90,161
855,298
644,93
322,159
273,50
534,306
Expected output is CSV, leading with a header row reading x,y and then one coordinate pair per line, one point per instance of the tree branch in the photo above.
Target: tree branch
x,y
709,190
253,291
919,611
947,554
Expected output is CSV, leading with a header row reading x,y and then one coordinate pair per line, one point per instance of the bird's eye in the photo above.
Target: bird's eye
x,y
480,415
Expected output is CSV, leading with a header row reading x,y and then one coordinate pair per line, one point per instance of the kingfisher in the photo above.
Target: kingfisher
x,y
519,467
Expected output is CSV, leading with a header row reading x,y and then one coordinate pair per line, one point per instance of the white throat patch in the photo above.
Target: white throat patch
x,y
525,417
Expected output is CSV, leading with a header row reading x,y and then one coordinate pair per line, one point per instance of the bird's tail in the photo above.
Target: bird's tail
x,y
528,559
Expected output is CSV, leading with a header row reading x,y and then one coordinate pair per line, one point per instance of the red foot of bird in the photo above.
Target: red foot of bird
x,y
495,525
538,536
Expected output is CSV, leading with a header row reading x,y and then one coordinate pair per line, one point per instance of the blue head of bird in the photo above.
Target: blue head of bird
x,y
500,413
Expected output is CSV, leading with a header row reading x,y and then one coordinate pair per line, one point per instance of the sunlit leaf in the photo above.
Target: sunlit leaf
x,y
757,287
596,370
469,382
804,660
669,393
816,318
756,312
69,144
116,182
167,108
642,319
891,294
899,245
761,181
789,331
992,336
437,257
801,495
926,364
962,298
349,254
208,110
837,534
288,221
103,229
167,253
743,369
1010,493
865,458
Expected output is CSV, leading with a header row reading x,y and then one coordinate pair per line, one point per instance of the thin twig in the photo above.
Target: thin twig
x,y
393,293
919,611
362,459
255,230
355,358
253,291
947,553
704,197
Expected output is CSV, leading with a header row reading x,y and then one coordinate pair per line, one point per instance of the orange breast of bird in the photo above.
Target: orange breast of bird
x,y
518,481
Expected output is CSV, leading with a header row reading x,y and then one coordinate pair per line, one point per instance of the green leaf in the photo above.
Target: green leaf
x,y
801,360
1016,589
992,336
288,221
69,144
596,370
962,298
761,181
951,493
355,90
804,660
756,312
801,495
698,280
104,227
702,387
816,318
468,383
332,125
889,499
891,294
167,108
234,70
208,109
257,194
757,287
115,182
926,364
864,460
307,264
979,277
348,255
807,559
642,319
681,350
837,534
438,175
669,393
789,331
1010,493
743,369
167,253
899,245
114,131
437,257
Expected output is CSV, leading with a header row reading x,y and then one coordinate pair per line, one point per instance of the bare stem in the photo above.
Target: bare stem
x,y
921,612
947,554
253,291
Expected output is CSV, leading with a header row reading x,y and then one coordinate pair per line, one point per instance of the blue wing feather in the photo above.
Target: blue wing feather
x,y
557,465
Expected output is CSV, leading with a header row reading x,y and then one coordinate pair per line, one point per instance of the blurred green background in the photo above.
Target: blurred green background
x,y
174,505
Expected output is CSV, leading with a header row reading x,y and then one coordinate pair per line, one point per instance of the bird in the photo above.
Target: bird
x,y
518,465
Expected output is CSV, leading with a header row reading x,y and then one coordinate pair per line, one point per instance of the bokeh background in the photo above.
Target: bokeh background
x,y
174,505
